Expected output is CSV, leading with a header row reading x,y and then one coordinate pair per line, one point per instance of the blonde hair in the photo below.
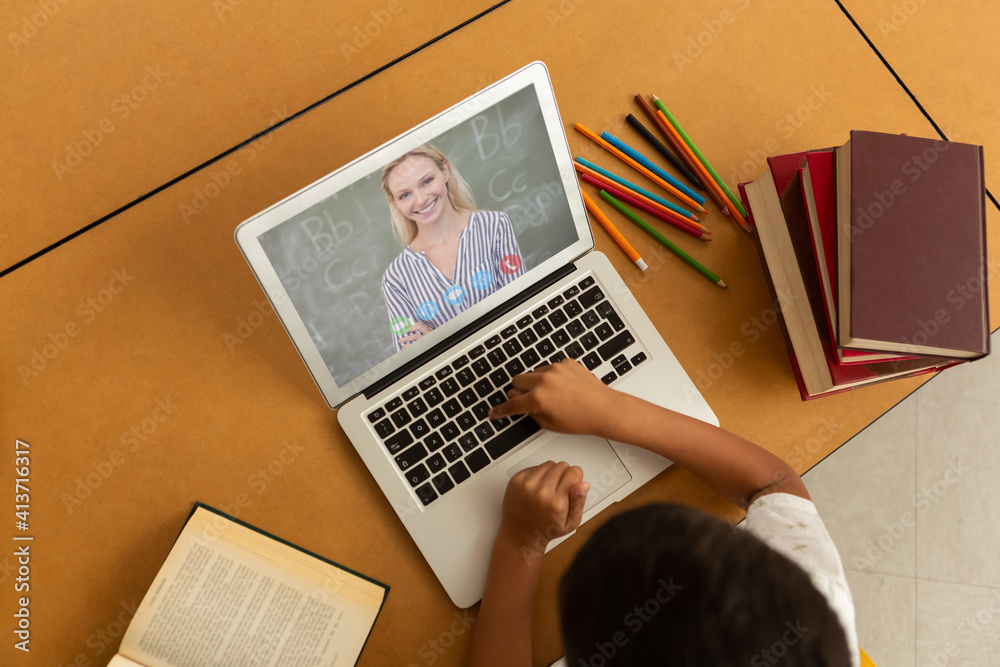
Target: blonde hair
x,y
459,193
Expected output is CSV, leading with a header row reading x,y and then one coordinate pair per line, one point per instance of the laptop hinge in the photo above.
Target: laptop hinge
x,y
469,329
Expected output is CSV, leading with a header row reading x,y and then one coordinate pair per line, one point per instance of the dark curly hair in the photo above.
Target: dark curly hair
x,y
671,585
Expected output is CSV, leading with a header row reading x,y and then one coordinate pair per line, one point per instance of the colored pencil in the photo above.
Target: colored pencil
x,y
613,231
662,239
694,149
585,167
710,185
634,201
652,166
582,129
664,151
687,156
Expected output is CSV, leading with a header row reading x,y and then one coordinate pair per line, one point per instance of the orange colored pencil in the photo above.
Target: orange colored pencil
x,y
720,196
692,221
622,242
610,185
629,198
582,129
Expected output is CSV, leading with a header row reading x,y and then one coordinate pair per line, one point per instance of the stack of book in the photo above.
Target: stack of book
x,y
875,254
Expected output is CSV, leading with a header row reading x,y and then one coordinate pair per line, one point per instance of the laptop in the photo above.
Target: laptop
x,y
412,333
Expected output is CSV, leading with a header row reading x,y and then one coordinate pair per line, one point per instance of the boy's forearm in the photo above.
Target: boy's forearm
x,y
733,467
503,629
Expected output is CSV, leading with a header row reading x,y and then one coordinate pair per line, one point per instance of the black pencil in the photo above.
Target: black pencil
x,y
664,151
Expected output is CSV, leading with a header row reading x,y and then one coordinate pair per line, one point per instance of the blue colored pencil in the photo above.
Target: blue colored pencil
x,y
649,164
635,188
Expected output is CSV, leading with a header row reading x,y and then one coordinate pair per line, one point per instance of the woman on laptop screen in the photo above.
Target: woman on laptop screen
x,y
453,254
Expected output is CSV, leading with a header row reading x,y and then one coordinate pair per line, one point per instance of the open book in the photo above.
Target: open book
x,y
229,594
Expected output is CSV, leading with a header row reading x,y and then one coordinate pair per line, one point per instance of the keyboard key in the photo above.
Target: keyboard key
x,y
624,368
452,408
540,311
586,282
575,328
493,341
450,430
499,377
574,351
481,410
401,417
427,382
376,415
591,361
468,397
459,472
639,358
419,428
461,361
590,297
477,460
465,377
477,351
393,404
616,345
496,398
412,392
514,367
399,442
465,420
558,318
589,340
427,494
573,308
571,292
557,357
433,442
452,452
433,397
384,428
609,378
481,367
417,474
604,331
560,338
449,386
483,388
511,437
410,456
512,347
556,302
509,331
542,327
591,319
443,483
605,308
620,359
435,418
443,373
484,432
500,424
545,347
524,321
496,357
615,321
527,337
530,358
468,442
435,463
417,407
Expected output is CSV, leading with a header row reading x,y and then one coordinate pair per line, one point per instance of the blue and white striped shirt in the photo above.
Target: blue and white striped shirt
x,y
415,289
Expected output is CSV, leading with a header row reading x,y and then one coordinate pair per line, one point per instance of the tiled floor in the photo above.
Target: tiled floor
x,y
913,503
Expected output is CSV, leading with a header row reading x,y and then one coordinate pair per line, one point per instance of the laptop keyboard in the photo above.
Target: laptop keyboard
x,y
437,430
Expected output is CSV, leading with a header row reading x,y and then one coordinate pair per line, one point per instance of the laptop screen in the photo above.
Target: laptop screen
x,y
419,237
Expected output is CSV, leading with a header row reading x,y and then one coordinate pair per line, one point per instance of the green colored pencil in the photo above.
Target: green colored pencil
x,y
662,239
694,149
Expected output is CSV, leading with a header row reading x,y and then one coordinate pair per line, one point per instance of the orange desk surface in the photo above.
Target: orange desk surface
x,y
241,426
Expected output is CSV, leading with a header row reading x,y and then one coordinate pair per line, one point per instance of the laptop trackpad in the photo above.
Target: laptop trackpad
x,y
601,465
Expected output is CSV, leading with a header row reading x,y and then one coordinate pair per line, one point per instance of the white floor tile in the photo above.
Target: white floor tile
x,y
957,625
886,615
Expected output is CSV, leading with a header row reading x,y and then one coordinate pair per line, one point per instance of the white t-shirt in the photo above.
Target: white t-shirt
x,y
791,526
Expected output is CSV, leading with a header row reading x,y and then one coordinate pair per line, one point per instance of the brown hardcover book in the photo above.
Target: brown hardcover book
x,y
911,246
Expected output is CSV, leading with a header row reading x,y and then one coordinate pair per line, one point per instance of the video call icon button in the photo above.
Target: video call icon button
x,y
510,264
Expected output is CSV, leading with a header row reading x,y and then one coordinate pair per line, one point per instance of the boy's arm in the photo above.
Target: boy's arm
x,y
566,397
540,504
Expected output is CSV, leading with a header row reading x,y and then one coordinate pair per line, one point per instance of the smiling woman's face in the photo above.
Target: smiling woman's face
x,y
420,189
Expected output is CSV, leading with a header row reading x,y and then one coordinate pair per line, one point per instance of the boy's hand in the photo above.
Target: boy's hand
x,y
563,397
541,504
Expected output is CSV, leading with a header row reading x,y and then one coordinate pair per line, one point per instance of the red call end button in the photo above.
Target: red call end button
x,y
510,264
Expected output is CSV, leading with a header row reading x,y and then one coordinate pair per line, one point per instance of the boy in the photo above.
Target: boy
x,y
664,585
